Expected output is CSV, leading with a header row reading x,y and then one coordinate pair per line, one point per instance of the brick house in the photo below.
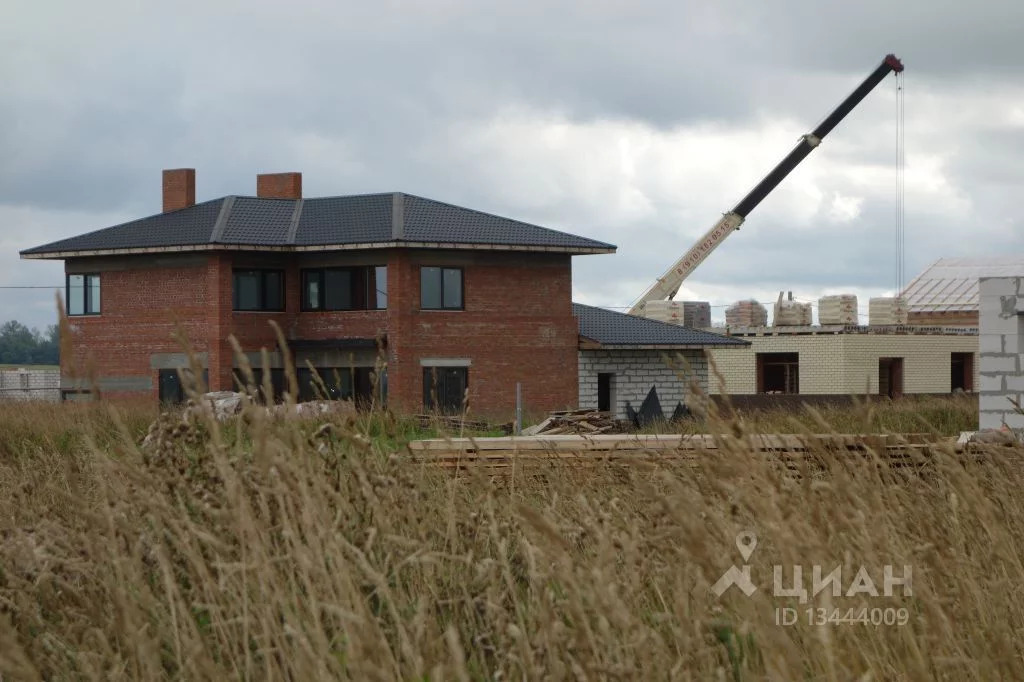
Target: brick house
x,y
384,295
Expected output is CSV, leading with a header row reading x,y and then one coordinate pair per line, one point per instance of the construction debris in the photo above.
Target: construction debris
x,y
446,422
577,422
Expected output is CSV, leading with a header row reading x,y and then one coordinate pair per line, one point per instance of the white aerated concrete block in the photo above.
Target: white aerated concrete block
x,y
999,286
991,343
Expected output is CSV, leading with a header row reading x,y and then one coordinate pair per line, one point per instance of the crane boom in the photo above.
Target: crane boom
x,y
668,284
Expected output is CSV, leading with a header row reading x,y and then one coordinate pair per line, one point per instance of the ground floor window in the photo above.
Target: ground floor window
x,y
171,389
890,377
444,388
961,371
778,372
278,384
360,384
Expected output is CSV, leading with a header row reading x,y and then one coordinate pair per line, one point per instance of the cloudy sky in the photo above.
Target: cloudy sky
x,y
637,123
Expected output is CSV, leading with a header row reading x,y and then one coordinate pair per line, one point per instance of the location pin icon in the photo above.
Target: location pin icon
x,y
746,542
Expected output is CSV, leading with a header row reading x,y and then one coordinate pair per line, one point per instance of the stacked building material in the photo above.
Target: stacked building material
x,y
580,422
748,313
886,311
839,309
790,313
686,313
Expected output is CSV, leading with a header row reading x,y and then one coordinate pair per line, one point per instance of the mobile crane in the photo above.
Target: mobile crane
x,y
667,285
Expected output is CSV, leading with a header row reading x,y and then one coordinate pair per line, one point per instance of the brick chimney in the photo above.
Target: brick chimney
x,y
279,186
179,188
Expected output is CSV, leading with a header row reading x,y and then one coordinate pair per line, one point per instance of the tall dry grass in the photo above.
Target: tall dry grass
x,y
294,550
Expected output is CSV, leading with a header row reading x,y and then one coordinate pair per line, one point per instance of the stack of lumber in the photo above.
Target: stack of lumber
x,y
887,311
576,422
839,309
496,455
747,313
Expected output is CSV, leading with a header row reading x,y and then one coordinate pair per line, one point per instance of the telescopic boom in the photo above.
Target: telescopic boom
x,y
668,284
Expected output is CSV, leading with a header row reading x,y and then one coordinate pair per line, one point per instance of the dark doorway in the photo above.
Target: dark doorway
x,y
890,377
778,372
605,392
961,371
170,388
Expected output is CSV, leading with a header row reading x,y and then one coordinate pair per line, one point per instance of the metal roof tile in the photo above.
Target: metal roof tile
x,y
610,328
952,283
187,226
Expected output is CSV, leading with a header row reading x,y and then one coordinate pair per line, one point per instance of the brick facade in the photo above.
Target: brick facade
x,y
848,363
516,325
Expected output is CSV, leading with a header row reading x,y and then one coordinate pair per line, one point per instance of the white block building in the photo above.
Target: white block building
x,y
1002,351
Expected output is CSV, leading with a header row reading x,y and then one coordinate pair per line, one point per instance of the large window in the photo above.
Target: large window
x,y
444,388
257,290
355,288
778,372
440,288
83,294
341,383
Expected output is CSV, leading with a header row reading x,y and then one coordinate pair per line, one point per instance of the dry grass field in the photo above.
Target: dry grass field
x,y
297,551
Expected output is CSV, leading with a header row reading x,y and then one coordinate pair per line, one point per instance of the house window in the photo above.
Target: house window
x,y
258,290
778,372
360,384
278,385
356,288
961,372
440,288
83,294
444,388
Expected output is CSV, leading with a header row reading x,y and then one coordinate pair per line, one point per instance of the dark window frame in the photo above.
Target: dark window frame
x,y
462,288
262,294
363,295
442,398
87,302
778,372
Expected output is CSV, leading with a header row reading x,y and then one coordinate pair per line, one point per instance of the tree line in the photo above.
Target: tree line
x,y
20,345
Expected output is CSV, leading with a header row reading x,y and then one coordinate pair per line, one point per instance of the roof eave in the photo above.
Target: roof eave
x,y
208,246
666,346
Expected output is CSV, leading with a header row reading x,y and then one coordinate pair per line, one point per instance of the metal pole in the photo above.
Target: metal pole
x,y
519,409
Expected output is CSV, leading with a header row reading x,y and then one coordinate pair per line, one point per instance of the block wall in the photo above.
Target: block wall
x,y
1002,351
847,363
30,384
820,356
636,371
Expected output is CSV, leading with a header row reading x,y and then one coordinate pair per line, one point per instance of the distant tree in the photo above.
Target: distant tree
x,y
20,345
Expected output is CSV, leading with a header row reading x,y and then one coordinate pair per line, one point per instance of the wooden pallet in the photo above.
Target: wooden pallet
x,y
793,451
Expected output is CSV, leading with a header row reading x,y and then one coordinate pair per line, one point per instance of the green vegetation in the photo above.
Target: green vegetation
x,y
22,346
288,549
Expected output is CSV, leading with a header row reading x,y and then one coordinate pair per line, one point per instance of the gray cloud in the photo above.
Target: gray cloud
x,y
473,103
